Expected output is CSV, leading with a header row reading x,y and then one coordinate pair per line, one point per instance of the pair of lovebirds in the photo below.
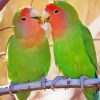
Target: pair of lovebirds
x,y
28,53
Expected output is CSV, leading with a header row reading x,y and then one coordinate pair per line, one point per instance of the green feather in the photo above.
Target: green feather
x,y
73,57
23,96
89,45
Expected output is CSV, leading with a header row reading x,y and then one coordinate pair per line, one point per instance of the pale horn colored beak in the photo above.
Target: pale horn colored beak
x,y
46,26
35,15
34,12
45,16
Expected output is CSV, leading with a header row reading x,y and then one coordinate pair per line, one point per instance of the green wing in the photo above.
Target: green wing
x,y
89,45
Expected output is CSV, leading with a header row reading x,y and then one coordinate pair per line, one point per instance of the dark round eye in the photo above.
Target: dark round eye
x,y
56,11
23,19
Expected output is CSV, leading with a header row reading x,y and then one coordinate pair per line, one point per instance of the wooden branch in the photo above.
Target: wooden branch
x,y
8,27
2,54
3,3
64,83
96,39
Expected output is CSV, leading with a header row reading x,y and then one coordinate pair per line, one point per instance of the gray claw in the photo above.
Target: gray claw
x,y
68,80
82,79
58,78
11,90
43,83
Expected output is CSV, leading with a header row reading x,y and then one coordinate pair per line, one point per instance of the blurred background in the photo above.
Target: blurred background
x,y
89,13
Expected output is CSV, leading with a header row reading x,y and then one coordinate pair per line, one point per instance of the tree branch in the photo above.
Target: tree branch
x,y
64,83
3,3
8,27
2,54
97,39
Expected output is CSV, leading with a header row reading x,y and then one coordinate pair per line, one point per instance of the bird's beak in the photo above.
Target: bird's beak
x,y
45,16
46,26
35,15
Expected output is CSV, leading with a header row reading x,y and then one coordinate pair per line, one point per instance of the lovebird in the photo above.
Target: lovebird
x,y
28,53
73,46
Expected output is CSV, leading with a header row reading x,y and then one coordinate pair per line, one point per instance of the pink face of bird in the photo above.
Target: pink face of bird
x,y
55,16
29,23
28,28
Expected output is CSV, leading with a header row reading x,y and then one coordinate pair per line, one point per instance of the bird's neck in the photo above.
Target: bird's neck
x,y
34,39
58,30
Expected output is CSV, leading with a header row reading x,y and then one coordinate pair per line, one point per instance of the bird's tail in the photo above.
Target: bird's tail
x,y
23,95
91,93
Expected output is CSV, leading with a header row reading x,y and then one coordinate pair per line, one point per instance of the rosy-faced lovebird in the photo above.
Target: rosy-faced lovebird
x,y
28,54
73,46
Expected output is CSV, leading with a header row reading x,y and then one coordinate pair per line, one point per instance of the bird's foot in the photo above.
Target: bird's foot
x,y
82,80
68,81
55,80
10,88
43,81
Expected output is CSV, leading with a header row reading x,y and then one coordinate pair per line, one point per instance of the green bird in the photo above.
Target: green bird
x,y
28,54
74,50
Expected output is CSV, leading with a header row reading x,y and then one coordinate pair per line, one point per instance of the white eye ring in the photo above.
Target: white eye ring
x,y
56,11
23,18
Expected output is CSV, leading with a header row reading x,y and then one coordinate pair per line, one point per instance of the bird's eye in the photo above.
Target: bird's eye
x,y
23,18
56,11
